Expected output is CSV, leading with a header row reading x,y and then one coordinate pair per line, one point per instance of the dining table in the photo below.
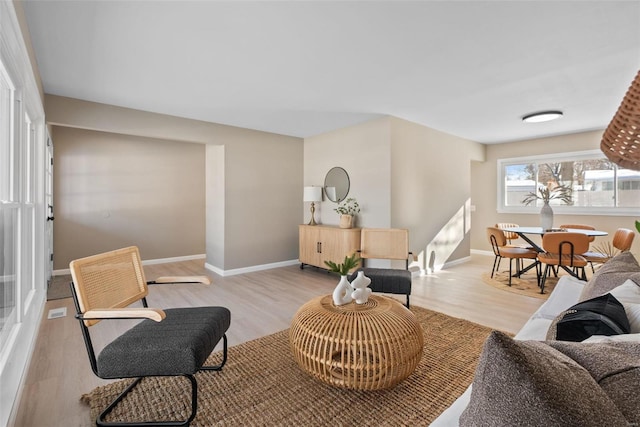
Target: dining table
x,y
524,232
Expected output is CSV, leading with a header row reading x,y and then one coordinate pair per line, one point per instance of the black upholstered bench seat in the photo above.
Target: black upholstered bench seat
x,y
388,280
178,345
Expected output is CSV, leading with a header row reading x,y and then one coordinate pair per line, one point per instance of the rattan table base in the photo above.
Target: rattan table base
x,y
371,346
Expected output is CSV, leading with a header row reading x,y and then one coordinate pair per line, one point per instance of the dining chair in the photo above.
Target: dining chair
x,y
622,241
580,227
172,342
562,250
501,250
509,235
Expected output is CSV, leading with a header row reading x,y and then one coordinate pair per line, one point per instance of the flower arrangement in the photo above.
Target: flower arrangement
x,y
346,265
546,194
348,207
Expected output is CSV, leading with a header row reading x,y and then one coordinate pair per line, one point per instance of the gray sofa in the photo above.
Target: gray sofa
x,y
530,380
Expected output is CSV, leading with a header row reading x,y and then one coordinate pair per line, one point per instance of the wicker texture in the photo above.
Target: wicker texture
x,y
371,346
621,140
110,280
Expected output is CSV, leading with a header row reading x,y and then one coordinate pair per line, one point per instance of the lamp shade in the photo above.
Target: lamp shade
x,y
312,194
621,140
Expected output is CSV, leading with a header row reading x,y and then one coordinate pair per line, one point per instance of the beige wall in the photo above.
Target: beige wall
x,y
430,191
263,198
112,191
253,184
403,175
363,151
484,183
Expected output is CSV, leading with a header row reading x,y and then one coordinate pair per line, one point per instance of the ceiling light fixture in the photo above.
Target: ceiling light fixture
x,y
542,116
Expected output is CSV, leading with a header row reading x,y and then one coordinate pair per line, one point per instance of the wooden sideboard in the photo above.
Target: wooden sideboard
x,y
320,243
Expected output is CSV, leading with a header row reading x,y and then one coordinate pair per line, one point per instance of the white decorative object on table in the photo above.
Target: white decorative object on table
x,y
342,292
546,217
546,194
361,292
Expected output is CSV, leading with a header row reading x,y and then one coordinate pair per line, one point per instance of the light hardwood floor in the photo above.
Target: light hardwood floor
x,y
261,303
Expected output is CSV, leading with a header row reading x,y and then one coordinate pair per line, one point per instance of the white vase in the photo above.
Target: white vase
x,y
546,217
360,290
342,292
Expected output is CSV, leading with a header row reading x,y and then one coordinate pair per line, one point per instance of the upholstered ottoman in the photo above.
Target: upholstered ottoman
x,y
388,280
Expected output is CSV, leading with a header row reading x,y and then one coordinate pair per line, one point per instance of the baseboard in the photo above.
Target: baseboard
x,y
250,269
481,252
147,262
456,262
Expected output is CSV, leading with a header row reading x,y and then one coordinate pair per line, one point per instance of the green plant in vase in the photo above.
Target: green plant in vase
x,y
343,268
347,210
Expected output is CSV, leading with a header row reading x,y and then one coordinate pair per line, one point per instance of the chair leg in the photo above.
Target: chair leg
x,y
224,357
493,269
510,263
194,408
544,278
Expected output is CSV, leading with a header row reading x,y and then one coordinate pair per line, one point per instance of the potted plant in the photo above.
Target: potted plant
x,y
546,194
342,292
347,210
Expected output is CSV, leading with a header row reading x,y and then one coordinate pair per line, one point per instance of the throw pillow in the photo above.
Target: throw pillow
x,y
616,368
629,295
615,338
611,275
528,383
603,315
633,316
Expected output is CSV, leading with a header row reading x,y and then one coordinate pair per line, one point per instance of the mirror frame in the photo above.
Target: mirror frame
x,y
339,175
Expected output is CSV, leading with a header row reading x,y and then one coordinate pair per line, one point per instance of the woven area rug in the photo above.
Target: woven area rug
x,y
525,285
261,385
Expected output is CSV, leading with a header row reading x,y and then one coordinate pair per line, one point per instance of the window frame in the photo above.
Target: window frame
x,y
560,209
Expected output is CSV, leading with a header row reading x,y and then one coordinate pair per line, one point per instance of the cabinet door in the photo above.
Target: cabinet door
x,y
338,243
309,245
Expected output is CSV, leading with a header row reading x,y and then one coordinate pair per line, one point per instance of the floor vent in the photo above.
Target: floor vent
x,y
57,313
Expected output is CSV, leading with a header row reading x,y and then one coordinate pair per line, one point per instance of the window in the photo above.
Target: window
x,y
597,186
9,209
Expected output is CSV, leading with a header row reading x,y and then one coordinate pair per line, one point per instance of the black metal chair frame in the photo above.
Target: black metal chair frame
x,y
571,269
499,256
86,335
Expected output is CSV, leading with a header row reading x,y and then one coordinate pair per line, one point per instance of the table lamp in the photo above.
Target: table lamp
x,y
312,194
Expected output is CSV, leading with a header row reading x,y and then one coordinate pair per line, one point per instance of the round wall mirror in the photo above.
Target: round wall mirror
x,y
336,184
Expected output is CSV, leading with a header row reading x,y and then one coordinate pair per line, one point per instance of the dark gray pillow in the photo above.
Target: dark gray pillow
x,y
603,315
616,368
611,275
528,383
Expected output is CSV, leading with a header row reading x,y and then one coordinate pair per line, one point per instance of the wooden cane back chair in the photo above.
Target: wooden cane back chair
x,y
501,250
171,342
509,235
391,244
562,250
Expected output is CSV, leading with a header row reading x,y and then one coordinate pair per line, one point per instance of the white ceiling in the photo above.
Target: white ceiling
x,y
301,68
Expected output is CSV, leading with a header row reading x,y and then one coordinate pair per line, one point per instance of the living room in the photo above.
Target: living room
x,y
234,196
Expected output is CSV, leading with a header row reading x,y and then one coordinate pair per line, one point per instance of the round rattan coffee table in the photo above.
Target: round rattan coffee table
x,y
371,346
